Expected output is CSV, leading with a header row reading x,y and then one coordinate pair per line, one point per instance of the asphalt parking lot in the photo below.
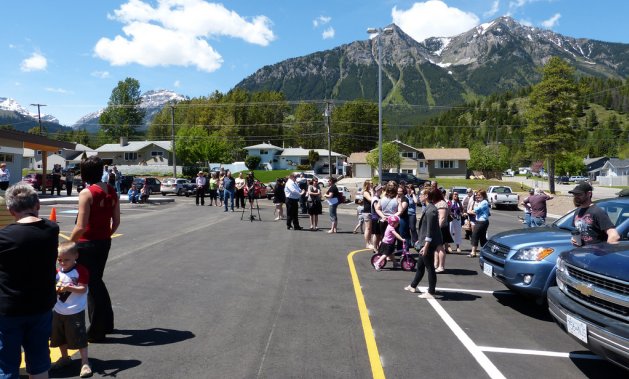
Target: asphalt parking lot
x,y
196,290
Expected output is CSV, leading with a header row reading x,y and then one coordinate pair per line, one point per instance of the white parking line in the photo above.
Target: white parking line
x,y
476,352
501,292
539,352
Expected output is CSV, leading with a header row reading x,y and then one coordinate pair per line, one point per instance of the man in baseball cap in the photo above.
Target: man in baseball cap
x,y
592,222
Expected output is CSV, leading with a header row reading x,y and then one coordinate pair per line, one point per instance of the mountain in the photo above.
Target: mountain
x,y
152,101
494,57
14,114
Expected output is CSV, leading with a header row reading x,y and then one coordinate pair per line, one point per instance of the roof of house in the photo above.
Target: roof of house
x,y
446,154
405,145
301,152
264,145
358,157
587,161
81,147
617,163
132,146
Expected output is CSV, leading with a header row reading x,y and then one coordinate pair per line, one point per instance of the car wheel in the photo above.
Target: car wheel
x,y
163,193
180,192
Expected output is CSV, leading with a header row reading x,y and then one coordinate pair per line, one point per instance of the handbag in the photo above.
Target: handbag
x,y
467,225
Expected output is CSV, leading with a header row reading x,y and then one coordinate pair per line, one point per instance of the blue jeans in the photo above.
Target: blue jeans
x,y
229,195
30,332
537,221
527,220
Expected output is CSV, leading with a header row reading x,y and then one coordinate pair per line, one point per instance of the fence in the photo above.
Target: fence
x,y
613,180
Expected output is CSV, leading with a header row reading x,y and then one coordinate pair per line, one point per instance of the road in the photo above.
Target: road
x,y
199,293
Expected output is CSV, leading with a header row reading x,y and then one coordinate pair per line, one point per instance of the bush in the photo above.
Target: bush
x,y
252,162
304,167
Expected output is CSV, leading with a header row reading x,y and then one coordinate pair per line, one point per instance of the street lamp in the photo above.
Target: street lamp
x,y
379,32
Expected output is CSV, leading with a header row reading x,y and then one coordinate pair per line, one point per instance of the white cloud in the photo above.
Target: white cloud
x,y
56,90
176,32
433,18
321,20
101,74
177,84
328,33
551,22
526,22
36,62
494,9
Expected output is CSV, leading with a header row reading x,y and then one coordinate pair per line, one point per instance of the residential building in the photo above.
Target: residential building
x,y
136,152
278,158
615,172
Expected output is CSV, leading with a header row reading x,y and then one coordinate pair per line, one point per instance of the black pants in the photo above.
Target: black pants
x,y
479,233
68,189
93,255
292,212
240,198
302,204
201,194
426,262
56,185
4,186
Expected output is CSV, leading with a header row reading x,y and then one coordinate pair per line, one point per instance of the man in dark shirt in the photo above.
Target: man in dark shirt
x,y
537,205
591,221
56,179
230,187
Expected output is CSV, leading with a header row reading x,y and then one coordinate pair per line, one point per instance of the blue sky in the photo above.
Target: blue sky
x,y
70,54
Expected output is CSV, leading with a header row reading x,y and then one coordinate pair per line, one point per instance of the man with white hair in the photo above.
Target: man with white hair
x,y
537,204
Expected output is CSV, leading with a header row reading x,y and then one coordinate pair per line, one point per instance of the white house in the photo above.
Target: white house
x,y
277,158
33,158
615,172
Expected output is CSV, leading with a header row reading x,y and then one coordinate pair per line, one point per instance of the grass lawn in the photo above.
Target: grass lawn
x,y
265,176
478,183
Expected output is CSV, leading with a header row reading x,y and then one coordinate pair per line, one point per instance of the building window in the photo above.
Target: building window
x,y
422,164
303,161
447,164
407,171
130,156
157,153
8,158
264,152
407,154
38,152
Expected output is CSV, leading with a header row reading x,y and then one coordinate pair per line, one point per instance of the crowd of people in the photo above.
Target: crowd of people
x,y
434,222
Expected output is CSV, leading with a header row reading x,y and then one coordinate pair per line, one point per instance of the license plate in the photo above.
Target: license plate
x,y
488,269
577,328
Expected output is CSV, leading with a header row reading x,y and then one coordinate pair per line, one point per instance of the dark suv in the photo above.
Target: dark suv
x,y
591,301
400,176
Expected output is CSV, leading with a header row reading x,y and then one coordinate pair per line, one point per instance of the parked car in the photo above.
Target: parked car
x,y
125,183
345,191
323,180
562,179
35,180
502,196
462,191
400,176
172,185
524,259
508,172
590,301
578,179
153,183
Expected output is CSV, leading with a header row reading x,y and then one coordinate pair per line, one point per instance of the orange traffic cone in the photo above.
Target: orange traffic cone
x,y
53,215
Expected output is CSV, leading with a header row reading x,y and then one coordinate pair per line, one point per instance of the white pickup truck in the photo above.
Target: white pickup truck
x,y
502,196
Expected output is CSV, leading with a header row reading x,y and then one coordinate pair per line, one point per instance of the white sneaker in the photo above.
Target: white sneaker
x,y
277,218
426,295
410,289
375,266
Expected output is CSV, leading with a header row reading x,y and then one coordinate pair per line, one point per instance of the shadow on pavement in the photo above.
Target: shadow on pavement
x,y
149,337
593,368
526,306
460,271
456,296
99,367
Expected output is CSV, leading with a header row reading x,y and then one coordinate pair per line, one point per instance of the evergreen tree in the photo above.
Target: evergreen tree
x,y
552,105
123,114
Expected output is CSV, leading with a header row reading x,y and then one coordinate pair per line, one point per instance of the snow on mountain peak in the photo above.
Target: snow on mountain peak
x,y
8,104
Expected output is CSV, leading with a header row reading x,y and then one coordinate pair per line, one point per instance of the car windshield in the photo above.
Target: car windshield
x,y
617,210
502,190
460,191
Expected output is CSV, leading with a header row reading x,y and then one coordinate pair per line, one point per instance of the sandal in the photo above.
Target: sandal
x,y
86,371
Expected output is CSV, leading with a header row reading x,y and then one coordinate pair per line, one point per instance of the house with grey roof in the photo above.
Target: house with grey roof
x,y
136,152
615,172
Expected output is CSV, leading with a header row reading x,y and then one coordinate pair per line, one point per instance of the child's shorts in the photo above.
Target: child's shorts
x,y
68,330
387,249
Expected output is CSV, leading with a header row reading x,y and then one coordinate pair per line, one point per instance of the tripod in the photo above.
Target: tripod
x,y
252,217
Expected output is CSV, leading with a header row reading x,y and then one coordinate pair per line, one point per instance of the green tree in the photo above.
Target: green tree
x,y
552,104
313,158
390,157
252,162
354,127
123,114
195,145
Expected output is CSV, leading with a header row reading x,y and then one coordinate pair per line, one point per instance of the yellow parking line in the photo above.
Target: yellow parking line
x,y
55,354
370,340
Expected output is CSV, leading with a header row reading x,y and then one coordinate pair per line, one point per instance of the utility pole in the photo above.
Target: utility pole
x,y
327,122
172,136
39,115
